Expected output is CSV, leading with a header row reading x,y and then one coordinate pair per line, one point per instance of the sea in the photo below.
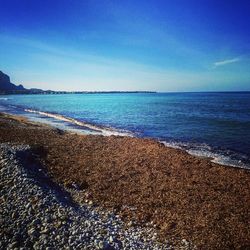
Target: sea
x,y
207,124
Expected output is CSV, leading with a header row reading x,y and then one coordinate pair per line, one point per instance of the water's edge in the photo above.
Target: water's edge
x,y
226,158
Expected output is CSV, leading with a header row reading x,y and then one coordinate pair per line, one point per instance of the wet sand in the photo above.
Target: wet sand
x,y
183,196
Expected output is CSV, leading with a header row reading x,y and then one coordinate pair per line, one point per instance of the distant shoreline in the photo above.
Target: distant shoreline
x,y
51,92
34,92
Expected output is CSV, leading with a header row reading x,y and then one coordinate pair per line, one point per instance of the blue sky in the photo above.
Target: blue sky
x,y
126,45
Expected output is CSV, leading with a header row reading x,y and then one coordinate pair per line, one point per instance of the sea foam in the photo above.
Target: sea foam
x,y
107,131
222,157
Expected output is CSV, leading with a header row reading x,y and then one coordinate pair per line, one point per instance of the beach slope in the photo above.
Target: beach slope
x,y
146,183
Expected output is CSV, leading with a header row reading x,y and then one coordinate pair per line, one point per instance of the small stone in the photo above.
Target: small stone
x,y
58,237
31,231
100,245
13,245
27,205
36,245
36,222
185,242
13,215
130,223
45,231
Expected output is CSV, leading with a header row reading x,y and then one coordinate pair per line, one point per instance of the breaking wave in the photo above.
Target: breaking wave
x,y
223,157
220,156
107,131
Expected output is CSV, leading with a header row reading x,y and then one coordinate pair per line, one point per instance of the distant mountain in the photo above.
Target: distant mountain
x,y
7,86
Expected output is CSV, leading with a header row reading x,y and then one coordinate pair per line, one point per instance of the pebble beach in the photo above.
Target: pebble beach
x,y
114,193
35,214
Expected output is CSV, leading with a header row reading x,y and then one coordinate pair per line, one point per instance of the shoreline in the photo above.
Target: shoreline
x,y
142,180
109,131
201,150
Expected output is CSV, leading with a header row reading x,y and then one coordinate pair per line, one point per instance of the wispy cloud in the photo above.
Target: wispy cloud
x,y
225,62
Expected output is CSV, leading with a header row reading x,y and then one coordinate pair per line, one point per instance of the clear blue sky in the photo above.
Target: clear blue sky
x,y
126,45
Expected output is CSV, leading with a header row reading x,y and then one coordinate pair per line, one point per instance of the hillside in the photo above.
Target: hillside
x,y
7,86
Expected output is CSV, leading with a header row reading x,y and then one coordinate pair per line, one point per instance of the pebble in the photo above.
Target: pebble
x,y
52,222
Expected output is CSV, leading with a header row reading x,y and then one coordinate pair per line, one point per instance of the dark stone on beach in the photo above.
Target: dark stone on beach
x,y
78,186
83,185
59,131
107,246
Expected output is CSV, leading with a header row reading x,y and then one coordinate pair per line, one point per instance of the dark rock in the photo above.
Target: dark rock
x,y
6,85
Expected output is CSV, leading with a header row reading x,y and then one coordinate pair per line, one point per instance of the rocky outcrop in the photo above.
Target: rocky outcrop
x,y
7,86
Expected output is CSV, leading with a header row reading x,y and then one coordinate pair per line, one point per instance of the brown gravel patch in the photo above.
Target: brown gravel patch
x,y
184,196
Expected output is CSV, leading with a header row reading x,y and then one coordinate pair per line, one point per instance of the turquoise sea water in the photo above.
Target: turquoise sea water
x,y
216,125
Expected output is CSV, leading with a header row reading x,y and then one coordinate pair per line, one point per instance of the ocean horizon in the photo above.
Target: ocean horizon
x,y
207,124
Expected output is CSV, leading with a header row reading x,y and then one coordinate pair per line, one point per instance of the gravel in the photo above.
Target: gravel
x,y
38,214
